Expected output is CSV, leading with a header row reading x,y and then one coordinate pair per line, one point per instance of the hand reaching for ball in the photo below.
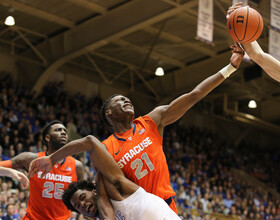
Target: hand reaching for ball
x,y
233,8
244,24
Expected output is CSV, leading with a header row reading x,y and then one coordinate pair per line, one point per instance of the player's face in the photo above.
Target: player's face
x,y
84,201
121,104
58,135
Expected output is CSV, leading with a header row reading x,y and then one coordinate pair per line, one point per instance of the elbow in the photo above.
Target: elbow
x,y
196,95
89,138
90,141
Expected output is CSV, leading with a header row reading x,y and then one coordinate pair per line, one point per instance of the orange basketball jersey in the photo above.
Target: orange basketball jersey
x,y
139,154
45,199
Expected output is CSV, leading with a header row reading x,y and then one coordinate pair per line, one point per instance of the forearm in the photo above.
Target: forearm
x,y
71,148
268,63
4,171
253,49
177,108
99,156
104,205
206,86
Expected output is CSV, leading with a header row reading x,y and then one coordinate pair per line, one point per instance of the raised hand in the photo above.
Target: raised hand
x,y
16,175
19,177
237,55
40,164
232,8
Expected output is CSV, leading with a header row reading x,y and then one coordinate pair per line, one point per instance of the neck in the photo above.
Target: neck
x,y
50,151
122,127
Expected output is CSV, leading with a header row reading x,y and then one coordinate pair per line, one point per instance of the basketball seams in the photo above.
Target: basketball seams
x,y
233,25
259,23
245,25
247,18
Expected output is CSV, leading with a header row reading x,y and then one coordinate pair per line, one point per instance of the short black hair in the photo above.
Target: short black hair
x,y
9,204
104,109
47,127
74,187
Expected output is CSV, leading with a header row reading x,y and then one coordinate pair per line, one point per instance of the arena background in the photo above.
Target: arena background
x,y
97,48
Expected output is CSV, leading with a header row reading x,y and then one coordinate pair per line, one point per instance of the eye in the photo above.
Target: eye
x,y
82,197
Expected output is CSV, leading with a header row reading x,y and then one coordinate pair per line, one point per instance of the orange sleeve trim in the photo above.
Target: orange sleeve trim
x,y
6,163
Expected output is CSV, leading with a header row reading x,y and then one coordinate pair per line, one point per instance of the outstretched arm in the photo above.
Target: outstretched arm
x,y
14,174
267,62
165,115
100,157
20,161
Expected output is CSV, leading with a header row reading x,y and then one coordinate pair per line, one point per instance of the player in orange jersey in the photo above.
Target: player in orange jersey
x,y
45,193
267,62
128,199
136,144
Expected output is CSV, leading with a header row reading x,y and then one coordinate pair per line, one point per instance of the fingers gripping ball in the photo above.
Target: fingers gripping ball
x,y
245,25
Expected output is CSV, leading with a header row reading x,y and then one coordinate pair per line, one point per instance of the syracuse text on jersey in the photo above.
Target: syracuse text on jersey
x,y
134,151
56,177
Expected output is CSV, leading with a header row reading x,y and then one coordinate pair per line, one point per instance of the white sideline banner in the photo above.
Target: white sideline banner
x,y
274,44
205,21
275,14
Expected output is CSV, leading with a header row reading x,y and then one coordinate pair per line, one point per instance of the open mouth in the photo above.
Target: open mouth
x,y
90,208
63,139
127,105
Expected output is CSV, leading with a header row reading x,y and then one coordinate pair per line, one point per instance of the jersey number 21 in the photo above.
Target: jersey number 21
x,y
138,164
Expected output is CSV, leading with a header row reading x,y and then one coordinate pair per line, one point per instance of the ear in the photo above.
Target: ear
x,y
108,112
47,138
107,115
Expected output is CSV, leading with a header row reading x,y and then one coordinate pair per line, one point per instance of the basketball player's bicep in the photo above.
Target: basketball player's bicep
x,y
23,160
157,113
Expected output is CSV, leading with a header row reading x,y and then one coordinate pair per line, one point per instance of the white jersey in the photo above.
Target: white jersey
x,y
142,205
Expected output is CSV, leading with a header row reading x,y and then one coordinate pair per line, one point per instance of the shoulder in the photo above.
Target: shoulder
x,y
110,138
79,164
73,161
109,141
142,120
146,121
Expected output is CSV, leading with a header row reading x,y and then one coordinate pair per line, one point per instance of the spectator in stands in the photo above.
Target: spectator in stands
x,y
21,213
2,156
10,210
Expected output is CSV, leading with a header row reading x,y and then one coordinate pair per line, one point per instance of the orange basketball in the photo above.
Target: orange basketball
x,y
245,25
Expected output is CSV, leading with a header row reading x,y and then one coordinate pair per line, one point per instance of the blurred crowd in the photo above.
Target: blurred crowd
x,y
200,164
200,167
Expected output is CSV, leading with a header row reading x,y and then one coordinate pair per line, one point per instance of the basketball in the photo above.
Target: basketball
x,y
245,25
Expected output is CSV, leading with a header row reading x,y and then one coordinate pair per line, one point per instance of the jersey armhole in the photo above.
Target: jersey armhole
x,y
152,125
109,150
